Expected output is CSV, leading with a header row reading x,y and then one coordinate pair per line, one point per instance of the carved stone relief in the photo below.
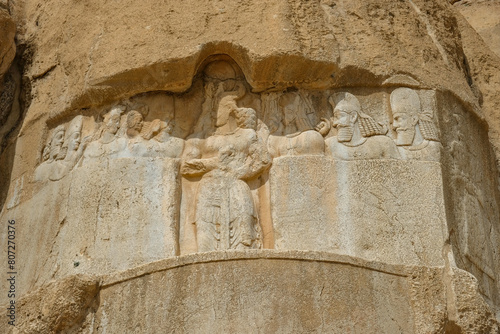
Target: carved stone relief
x,y
291,130
417,136
225,153
358,135
252,171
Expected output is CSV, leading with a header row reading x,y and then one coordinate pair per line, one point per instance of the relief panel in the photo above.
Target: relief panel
x,y
219,167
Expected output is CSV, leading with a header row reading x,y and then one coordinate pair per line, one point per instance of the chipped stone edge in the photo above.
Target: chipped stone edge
x,y
266,254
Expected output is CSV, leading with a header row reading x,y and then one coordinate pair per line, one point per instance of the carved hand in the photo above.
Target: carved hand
x,y
194,166
323,127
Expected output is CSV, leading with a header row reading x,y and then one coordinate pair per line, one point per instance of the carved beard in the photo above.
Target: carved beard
x,y
405,136
62,153
55,152
345,134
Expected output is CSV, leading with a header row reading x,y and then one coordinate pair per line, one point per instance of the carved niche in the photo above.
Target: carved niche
x,y
220,167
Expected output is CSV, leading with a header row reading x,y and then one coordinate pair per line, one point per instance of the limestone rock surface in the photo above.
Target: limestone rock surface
x,y
284,166
483,17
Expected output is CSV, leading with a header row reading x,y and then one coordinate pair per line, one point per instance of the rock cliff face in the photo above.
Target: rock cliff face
x,y
249,166
482,15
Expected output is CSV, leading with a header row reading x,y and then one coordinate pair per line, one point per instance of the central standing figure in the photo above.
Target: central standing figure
x,y
225,213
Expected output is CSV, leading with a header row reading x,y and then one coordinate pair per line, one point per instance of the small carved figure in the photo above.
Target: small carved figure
x,y
134,124
225,214
161,143
359,136
107,143
417,136
55,153
64,153
294,135
74,148
137,146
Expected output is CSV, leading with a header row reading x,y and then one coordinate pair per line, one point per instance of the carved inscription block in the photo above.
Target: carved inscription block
x,y
392,211
303,202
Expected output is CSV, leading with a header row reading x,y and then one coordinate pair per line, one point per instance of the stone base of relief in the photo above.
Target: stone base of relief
x,y
109,216
261,292
383,210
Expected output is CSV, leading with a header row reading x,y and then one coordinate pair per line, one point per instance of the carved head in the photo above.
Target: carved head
x,y
405,105
227,106
345,116
73,134
169,126
56,142
295,113
290,109
159,127
134,123
246,118
112,120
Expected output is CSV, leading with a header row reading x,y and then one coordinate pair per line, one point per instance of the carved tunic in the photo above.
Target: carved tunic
x,y
225,215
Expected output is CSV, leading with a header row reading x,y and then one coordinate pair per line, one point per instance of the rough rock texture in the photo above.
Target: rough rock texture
x,y
250,166
484,77
7,45
264,291
7,84
483,16
58,307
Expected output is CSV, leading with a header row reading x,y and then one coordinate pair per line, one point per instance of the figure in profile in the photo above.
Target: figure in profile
x,y
225,216
53,152
291,131
106,142
137,144
65,152
358,136
73,146
161,143
417,136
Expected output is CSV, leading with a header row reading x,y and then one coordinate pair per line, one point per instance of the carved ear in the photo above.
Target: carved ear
x,y
414,120
354,117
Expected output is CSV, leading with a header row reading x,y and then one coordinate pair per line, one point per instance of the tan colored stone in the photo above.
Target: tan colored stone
x,y
294,166
262,291
7,45
58,307
482,15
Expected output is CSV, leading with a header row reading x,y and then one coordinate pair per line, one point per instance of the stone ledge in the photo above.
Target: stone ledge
x,y
223,256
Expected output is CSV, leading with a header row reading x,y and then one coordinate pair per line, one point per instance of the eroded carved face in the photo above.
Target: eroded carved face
x,y
134,121
56,144
170,127
343,120
250,119
74,141
138,123
113,124
404,124
227,105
